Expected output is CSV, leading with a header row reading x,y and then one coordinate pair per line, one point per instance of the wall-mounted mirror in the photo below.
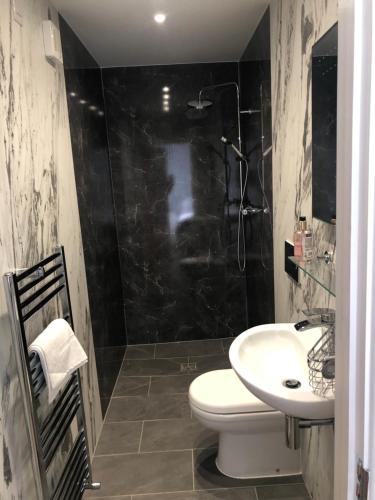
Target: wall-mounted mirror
x,y
324,126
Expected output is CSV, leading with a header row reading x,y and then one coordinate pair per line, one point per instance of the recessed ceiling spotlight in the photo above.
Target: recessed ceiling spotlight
x,y
165,89
166,97
73,94
82,101
160,18
93,108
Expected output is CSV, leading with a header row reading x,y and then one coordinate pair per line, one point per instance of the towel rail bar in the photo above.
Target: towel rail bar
x,y
54,415
41,290
42,303
76,455
31,270
49,453
79,474
36,281
47,436
54,428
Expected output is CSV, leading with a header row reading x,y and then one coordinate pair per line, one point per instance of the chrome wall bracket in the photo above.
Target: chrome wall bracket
x,y
293,426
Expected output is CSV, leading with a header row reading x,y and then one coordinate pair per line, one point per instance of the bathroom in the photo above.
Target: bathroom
x,y
156,158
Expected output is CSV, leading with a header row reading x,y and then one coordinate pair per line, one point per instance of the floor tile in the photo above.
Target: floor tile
x,y
120,437
227,343
178,434
148,408
189,348
284,492
174,384
131,386
208,363
222,494
207,476
146,351
148,367
143,473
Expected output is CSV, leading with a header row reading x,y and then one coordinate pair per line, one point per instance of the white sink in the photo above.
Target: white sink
x,y
265,356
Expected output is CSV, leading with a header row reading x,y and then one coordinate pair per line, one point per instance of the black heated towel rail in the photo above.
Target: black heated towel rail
x,y
28,292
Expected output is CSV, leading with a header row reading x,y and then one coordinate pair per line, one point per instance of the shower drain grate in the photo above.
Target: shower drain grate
x,y
188,367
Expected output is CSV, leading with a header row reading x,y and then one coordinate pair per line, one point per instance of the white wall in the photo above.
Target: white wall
x,y
295,27
38,210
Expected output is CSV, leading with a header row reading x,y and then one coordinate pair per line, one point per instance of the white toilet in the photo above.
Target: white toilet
x,y
251,433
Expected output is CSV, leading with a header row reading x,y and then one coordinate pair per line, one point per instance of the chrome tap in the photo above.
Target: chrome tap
x,y
317,317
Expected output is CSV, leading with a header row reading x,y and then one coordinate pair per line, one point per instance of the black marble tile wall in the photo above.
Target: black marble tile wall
x,y
176,199
255,81
95,200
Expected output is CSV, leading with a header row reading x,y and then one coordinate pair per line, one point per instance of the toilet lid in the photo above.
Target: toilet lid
x,y
222,392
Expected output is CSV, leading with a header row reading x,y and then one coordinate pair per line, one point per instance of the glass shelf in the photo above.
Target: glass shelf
x,y
320,271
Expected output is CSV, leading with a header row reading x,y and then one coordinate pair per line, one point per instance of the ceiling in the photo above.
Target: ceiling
x,y
124,33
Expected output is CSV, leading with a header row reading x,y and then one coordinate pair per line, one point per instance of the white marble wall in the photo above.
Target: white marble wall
x,y
295,26
38,209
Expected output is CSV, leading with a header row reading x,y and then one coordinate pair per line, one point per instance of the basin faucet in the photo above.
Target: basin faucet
x,y
317,317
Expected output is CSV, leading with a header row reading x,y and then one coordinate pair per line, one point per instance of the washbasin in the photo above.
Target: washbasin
x,y
271,360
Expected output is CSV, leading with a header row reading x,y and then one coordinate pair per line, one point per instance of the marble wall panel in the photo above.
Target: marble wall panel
x,y
176,199
95,200
295,27
38,210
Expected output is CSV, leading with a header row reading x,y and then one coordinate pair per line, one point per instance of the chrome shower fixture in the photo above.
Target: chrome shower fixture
x,y
199,104
250,111
225,141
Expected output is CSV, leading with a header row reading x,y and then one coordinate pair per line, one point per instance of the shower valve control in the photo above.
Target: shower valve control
x,y
251,210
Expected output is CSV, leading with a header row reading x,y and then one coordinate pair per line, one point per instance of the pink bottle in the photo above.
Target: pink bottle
x,y
298,237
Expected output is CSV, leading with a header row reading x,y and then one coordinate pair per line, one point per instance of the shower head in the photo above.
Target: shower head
x,y
227,142
199,104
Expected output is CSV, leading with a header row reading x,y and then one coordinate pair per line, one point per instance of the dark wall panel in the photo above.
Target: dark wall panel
x,y
95,200
176,200
255,80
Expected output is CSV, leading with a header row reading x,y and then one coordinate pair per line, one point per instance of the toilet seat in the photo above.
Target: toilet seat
x,y
222,392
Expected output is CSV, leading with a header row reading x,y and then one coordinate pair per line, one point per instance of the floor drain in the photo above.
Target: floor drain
x,y
188,367
292,383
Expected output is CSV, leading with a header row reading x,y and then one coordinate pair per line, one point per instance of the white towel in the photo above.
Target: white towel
x,y
60,355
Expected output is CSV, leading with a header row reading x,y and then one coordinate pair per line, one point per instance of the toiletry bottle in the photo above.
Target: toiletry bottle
x,y
307,245
298,237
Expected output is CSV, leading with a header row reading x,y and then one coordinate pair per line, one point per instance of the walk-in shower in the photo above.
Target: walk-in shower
x,y
201,104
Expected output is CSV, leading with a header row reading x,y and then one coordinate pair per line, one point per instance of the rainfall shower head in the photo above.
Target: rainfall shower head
x,y
199,104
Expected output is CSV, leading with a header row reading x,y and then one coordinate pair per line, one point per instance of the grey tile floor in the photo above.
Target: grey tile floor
x,y
152,449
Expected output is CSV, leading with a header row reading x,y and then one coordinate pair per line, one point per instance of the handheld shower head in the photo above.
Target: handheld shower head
x,y
227,142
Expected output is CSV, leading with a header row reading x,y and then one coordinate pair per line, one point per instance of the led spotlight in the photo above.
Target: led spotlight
x,y
160,18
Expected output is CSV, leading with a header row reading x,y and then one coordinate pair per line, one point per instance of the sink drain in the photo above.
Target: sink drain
x,y
292,383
